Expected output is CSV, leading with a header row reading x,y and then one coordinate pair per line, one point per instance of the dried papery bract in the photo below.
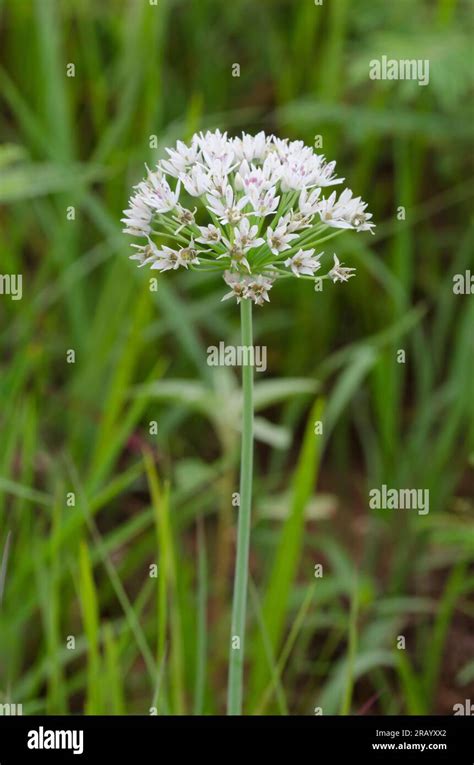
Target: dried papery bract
x,y
255,209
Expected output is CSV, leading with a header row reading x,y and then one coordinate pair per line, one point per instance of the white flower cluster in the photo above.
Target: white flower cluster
x,y
265,211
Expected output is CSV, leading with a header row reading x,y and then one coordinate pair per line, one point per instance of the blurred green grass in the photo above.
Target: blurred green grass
x,y
82,570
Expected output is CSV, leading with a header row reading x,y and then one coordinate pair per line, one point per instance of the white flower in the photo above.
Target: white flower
x,y
246,287
218,184
180,158
216,146
281,147
331,211
245,239
295,221
189,255
359,219
251,147
254,180
258,289
226,208
209,234
238,285
280,238
339,273
324,174
196,181
146,253
245,236
308,203
304,263
265,203
299,168
345,212
184,217
304,169
157,194
137,217
166,259
237,258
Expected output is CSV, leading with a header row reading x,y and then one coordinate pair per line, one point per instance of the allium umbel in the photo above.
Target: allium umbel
x,y
253,208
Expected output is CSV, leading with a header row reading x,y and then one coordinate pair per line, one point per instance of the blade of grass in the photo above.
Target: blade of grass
x,y
90,616
201,627
167,563
285,563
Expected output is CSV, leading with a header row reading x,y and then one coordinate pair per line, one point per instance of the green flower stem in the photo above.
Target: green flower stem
x,y
179,240
289,274
262,258
285,195
239,605
169,230
307,244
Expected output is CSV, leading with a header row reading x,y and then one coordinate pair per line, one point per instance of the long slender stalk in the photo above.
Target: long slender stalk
x,y
239,605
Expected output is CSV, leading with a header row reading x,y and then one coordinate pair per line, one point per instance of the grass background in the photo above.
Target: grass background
x,y
91,500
